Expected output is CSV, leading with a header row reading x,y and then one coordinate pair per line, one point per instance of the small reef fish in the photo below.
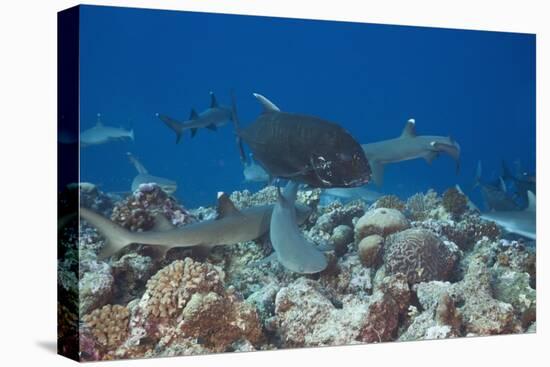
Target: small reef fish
x,y
522,222
304,148
408,146
101,134
495,195
230,227
211,118
253,172
293,251
143,177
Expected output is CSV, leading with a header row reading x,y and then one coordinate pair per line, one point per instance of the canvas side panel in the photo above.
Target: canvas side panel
x,y
67,179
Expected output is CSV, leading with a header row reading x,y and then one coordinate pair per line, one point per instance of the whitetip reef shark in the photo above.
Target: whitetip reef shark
x,y
211,118
101,134
408,146
143,177
522,222
230,227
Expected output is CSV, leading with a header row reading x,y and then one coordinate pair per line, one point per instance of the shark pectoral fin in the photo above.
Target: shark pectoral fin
x,y
430,156
226,206
193,115
377,172
266,103
213,101
409,131
193,132
212,127
162,223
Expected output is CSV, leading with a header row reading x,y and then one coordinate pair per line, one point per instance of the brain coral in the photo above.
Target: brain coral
x,y
420,255
380,221
108,324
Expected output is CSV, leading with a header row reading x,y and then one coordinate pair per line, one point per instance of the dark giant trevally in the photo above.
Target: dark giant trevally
x,y
304,148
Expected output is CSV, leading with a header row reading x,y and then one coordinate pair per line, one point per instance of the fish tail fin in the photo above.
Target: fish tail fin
x,y
116,237
173,124
237,126
131,135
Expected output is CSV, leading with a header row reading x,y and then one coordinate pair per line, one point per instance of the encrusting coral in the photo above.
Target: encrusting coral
x,y
380,221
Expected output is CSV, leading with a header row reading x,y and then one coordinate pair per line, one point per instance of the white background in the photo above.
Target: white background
x,y
28,186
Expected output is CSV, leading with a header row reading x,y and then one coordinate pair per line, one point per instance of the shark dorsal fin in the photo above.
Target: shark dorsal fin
x,y
99,123
194,115
266,103
213,101
410,129
532,207
226,206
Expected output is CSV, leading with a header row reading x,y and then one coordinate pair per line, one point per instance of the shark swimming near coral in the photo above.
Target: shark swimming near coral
x,y
408,146
495,194
230,227
101,134
522,222
211,118
143,177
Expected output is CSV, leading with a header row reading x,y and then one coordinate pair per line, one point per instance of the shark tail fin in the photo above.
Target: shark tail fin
x,y
237,126
175,125
116,237
131,135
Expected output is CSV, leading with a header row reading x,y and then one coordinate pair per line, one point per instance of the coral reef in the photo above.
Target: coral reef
x,y
92,198
454,202
109,324
380,221
370,250
137,212
390,202
424,269
420,206
420,255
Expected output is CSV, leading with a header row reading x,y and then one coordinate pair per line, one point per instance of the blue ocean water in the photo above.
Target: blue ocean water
x,y
476,86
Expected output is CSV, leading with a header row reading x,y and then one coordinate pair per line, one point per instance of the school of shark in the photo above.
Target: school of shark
x,y
315,222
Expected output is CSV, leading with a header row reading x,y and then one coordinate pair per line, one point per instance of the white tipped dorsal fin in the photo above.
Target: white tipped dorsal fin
x,y
410,129
266,103
226,206
99,122
532,201
213,101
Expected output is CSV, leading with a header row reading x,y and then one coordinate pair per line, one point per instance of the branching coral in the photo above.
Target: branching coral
x,y
467,232
454,202
390,202
420,205
420,255
109,324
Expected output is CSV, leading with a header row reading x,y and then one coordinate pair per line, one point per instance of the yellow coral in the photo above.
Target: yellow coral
x,y
171,287
109,324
